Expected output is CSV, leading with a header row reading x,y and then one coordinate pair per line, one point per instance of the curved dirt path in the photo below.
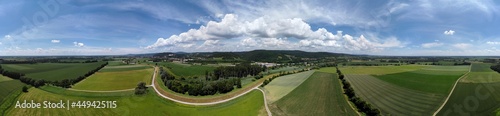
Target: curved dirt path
x,y
265,102
210,101
71,89
453,89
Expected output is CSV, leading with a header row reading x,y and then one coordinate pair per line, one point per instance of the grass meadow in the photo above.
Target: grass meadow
x,y
115,80
148,104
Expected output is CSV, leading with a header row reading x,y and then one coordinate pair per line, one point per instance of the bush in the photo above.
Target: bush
x,y
141,88
25,89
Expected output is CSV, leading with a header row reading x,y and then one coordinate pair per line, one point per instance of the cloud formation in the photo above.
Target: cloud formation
x,y
78,44
55,41
493,42
462,46
449,32
271,32
431,45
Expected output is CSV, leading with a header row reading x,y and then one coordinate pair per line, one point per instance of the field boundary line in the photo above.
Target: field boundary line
x,y
265,102
196,104
451,92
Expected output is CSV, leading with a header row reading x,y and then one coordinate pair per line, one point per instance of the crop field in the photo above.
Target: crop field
x,y
123,68
8,87
186,70
473,99
4,78
375,70
319,95
480,67
391,99
115,80
481,73
428,82
149,104
283,85
53,71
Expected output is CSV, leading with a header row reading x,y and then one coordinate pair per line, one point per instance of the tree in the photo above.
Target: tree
x,y
25,89
141,88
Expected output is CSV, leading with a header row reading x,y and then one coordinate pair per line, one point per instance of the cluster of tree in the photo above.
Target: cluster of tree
x,y
463,63
372,64
267,81
66,83
358,102
199,87
141,88
496,68
240,70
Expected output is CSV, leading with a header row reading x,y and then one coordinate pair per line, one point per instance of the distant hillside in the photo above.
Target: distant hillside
x,y
257,55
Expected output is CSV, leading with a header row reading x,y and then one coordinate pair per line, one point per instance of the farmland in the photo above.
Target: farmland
x,y
149,104
438,84
283,85
8,87
320,94
118,79
186,70
392,99
3,78
473,99
480,67
481,73
53,71
376,70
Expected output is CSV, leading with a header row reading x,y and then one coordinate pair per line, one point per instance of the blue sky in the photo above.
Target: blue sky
x,y
381,27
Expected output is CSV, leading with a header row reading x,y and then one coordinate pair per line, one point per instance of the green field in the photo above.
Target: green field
x,y
146,105
392,99
8,87
115,80
285,69
283,85
53,71
481,73
186,69
480,67
473,99
426,82
123,68
375,70
4,78
319,95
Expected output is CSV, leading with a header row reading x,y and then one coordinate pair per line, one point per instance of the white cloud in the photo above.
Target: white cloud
x,y
0,43
493,42
55,41
7,37
462,46
77,44
271,32
449,32
431,45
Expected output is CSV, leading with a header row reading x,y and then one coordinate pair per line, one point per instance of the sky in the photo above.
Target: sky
x,y
373,27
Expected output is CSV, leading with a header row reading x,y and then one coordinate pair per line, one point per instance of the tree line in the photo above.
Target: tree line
x,y
496,68
240,70
65,83
197,87
360,104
